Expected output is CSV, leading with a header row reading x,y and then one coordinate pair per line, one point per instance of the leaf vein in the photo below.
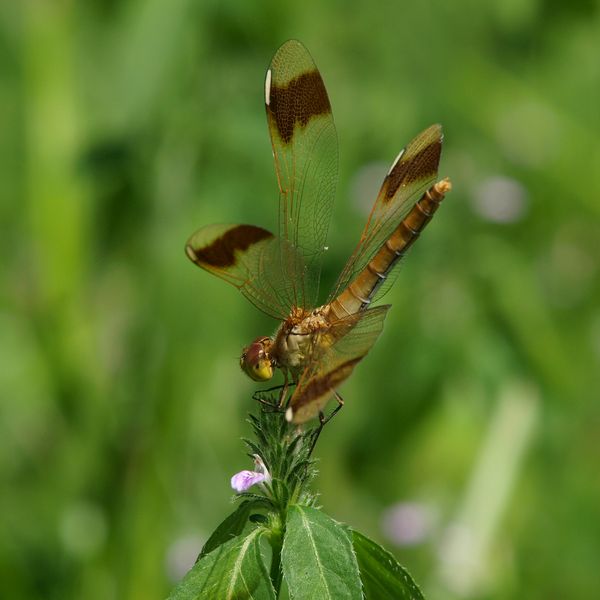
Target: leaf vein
x,y
314,546
237,567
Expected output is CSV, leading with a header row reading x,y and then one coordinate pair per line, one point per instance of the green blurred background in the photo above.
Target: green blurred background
x,y
470,441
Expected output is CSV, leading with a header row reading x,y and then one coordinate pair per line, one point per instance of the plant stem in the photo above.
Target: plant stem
x,y
276,574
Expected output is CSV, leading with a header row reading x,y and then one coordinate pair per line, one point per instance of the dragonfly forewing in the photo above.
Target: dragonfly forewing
x,y
305,151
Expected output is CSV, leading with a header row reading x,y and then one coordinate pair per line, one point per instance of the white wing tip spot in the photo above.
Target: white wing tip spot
x,y
190,253
289,414
396,161
268,88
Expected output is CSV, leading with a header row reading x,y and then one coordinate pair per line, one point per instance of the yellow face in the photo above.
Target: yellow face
x,y
256,361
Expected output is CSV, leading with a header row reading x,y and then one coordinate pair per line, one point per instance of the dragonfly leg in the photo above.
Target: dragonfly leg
x,y
268,390
267,398
268,406
284,390
271,399
323,420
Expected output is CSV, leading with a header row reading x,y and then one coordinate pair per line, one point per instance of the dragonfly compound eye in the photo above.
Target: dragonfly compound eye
x,y
256,362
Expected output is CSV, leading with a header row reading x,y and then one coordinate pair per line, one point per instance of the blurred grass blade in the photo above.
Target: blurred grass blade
x,y
234,570
382,575
317,558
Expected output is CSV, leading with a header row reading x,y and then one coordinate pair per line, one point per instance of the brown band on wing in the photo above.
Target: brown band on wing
x,y
322,385
303,98
221,252
422,165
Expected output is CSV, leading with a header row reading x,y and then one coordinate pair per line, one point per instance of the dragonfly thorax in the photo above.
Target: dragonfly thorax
x,y
295,338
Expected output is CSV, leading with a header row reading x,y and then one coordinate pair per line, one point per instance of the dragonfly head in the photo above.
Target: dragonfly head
x,y
256,359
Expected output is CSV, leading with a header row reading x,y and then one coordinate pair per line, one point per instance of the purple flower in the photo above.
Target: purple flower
x,y
243,480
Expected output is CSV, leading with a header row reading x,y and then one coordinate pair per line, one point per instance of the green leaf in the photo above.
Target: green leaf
x,y
317,558
382,576
231,527
234,571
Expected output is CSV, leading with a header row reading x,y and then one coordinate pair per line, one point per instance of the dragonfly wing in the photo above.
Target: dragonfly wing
x,y
305,151
412,173
334,357
249,258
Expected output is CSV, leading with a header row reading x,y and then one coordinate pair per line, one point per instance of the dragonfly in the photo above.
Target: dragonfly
x,y
317,346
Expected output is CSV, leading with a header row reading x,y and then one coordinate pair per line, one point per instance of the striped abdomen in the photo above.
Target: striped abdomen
x,y
363,287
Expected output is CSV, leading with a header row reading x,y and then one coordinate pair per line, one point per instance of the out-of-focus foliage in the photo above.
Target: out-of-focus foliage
x,y
469,443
